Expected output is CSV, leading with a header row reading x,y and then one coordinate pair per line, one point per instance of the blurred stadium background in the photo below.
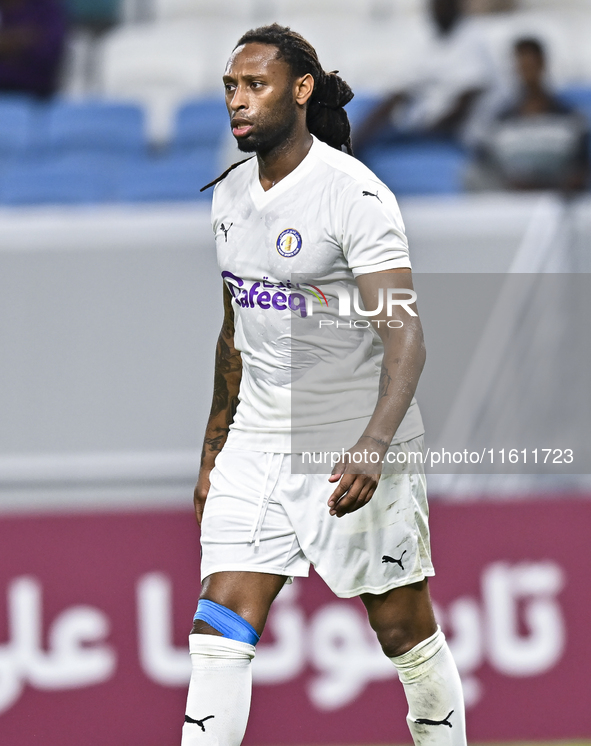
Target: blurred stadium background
x,y
109,310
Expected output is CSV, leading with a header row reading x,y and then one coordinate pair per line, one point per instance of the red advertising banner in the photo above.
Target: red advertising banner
x,y
95,612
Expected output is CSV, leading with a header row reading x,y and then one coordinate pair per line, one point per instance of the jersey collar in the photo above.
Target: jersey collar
x,y
261,198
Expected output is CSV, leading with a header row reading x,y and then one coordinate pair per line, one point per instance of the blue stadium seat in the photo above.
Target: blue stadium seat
x,y
95,126
359,107
17,114
171,178
56,181
201,123
578,97
429,168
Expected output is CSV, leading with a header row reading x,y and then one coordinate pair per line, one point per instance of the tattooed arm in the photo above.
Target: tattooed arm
x,y
404,357
228,372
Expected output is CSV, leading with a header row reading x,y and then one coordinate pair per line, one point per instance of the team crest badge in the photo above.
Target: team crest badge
x,y
289,242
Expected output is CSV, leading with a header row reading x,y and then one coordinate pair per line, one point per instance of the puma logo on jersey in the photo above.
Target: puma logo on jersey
x,y
426,721
371,194
385,559
223,227
200,722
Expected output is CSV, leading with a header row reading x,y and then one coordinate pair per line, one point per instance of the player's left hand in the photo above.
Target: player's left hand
x,y
356,481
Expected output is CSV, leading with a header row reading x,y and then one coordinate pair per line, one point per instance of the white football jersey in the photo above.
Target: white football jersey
x,y
287,256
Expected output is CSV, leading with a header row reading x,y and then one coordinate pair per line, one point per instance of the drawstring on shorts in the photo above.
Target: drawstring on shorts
x,y
265,496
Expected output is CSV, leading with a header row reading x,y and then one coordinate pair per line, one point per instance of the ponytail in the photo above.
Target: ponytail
x,y
326,117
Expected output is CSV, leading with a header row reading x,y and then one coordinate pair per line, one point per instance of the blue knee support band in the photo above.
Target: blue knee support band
x,y
231,625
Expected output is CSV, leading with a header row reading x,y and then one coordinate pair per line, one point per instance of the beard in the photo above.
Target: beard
x,y
274,133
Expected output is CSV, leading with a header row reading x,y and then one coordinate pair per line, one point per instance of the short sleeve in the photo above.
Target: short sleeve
x,y
372,231
215,201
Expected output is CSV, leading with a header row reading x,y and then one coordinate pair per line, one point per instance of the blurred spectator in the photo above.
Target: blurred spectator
x,y
32,36
488,6
449,75
536,143
89,21
94,15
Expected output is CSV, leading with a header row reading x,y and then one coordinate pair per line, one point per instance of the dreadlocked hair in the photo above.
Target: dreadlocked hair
x,y
326,118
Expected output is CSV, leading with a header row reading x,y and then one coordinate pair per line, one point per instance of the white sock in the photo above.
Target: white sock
x,y
434,693
219,691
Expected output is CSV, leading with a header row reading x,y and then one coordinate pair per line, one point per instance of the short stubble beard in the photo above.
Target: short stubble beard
x,y
275,133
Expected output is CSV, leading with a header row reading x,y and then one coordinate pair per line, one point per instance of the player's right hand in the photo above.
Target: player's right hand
x,y
201,492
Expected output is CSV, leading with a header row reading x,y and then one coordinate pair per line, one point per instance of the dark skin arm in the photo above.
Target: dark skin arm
x,y
376,119
379,117
402,364
227,376
458,112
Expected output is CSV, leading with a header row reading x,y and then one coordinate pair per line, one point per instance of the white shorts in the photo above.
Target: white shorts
x,y
259,517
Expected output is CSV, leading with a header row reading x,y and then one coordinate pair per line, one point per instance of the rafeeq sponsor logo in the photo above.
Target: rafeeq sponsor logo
x,y
280,296
299,298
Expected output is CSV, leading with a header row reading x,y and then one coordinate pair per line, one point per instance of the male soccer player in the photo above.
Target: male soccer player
x,y
301,209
